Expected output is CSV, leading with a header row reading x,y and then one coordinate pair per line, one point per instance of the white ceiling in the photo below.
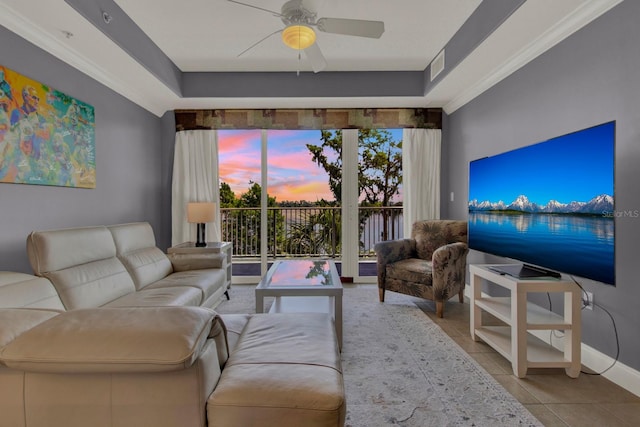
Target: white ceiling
x,y
208,35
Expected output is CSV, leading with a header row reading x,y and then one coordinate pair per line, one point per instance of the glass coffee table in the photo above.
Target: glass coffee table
x,y
303,286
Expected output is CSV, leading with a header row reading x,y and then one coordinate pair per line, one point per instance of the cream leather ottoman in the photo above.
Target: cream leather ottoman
x,y
285,371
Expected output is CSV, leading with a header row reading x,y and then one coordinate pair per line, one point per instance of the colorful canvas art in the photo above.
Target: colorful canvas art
x,y
46,136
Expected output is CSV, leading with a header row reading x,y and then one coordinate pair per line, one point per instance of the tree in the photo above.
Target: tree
x,y
253,196
250,220
379,167
331,140
231,219
380,160
379,164
315,233
227,196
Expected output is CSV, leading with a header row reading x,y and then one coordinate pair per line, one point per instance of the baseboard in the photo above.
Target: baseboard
x,y
620,374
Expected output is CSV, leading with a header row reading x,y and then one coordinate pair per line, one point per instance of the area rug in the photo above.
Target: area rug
x,y
400,368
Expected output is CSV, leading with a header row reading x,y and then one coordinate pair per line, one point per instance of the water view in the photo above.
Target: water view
x,y
575,244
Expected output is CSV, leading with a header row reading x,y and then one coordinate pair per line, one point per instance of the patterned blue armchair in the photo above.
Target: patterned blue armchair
x,y
431,264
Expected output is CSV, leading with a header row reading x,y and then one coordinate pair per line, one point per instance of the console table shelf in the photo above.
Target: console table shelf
x,y
514,341
537,317
539,353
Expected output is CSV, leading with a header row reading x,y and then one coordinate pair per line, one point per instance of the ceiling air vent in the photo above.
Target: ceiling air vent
x,y
437,65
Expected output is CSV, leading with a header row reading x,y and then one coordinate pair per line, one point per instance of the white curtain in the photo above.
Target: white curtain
x,y
420,175
195,179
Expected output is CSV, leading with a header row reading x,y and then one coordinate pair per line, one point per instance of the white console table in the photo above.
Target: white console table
x,y
515,341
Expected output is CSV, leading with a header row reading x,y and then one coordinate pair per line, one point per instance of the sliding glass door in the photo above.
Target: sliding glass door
x,y
330,194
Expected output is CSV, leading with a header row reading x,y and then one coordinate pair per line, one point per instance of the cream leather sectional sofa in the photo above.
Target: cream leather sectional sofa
x,y
119,266
107,333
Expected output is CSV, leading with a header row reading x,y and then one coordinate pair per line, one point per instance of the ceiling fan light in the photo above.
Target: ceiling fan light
x,y
298,37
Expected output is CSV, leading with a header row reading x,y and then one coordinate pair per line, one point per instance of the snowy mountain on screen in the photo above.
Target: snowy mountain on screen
x,y
555,206
522,203
597,205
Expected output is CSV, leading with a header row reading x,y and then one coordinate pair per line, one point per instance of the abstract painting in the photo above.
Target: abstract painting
x,y
46,136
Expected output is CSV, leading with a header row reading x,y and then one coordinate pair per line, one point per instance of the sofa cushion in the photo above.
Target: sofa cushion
x,y
146,266
136,248
411,270
25,290
269,338
59,249
118,340
82,265
160,297
285,367
93,284
15,321
132,236
208,281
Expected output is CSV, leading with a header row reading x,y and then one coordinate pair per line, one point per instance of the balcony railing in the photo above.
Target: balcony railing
x,y
306,231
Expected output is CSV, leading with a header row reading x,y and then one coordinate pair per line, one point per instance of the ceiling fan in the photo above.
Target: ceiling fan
x,y
299,33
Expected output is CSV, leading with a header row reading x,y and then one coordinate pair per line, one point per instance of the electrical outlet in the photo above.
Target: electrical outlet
x,y
588,300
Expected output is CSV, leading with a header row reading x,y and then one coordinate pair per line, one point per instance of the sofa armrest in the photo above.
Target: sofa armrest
x,y
449,265
16,321
196,261
113,340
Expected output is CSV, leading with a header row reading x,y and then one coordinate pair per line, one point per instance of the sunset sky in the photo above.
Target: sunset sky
x,y
292,174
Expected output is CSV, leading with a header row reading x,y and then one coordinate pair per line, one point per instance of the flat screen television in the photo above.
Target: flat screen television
x,y
550,205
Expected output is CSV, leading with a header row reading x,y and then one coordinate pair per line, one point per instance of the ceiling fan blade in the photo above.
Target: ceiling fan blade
x,y
257,43
316,58
351,27
278,14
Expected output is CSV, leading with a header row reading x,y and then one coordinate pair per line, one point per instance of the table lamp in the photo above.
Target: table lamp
x,y
200,213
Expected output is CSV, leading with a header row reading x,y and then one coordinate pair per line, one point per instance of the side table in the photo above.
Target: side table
x,y
188,250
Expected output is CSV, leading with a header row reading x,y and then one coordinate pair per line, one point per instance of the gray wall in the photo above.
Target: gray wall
x,y
128,161
590,78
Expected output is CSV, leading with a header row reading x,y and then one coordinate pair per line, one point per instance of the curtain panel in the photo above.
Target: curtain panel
x,y
195,179
420,175
317,118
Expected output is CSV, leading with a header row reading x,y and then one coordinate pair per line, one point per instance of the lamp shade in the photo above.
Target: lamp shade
x,y
298,37
200,212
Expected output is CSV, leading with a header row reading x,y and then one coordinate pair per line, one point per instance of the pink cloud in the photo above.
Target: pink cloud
x,y
238,141
292,161
295,191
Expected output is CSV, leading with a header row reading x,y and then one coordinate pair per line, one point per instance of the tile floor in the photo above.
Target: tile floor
x,y
549,394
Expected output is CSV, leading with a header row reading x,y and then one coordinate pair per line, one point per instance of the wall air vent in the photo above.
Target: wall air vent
x,y
437,65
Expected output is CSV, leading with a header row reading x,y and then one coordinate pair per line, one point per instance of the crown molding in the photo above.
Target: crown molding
x,y
582,16
48,42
